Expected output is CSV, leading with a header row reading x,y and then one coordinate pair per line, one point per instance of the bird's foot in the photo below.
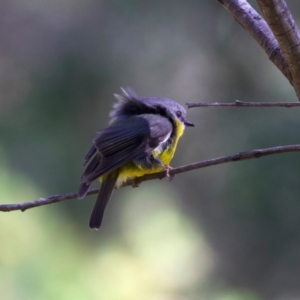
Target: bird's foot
x,y
168,175
134,183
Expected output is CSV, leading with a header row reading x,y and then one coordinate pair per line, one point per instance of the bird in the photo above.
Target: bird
x,y
141,138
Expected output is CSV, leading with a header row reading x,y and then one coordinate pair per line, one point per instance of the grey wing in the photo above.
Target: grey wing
x,y
131,139
122,143
116,145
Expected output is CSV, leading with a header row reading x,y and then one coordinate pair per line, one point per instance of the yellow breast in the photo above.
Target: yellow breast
x,y
167,155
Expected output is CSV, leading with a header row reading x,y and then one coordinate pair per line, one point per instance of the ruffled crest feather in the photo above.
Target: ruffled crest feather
x,y
129,104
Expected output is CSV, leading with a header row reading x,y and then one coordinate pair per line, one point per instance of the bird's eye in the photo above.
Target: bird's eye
x,y
178,113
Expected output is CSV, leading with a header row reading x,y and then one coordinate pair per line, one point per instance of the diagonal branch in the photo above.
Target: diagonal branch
x,y
252,22
287,34
203,164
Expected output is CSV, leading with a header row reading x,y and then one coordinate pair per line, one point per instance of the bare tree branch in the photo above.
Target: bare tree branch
x,y
206,163
252,22
238,103
287,34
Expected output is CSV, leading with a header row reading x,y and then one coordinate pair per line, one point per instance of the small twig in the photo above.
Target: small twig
x,y
238,103
206,163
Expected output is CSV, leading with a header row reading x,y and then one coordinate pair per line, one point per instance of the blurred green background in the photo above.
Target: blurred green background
x,y
227,232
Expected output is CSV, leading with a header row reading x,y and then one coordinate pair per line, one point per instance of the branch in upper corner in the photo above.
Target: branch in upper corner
x,y
238,103
283,26
206,163
252,22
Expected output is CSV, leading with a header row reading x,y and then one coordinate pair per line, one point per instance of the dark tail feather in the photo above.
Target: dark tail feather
x,y
107,186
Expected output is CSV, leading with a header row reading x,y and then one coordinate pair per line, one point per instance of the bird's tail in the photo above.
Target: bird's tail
x,y
106,189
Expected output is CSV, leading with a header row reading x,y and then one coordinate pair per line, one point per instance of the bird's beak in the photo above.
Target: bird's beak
x,y
188,123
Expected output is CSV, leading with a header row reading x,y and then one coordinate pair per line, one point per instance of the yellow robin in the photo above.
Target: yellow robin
x,y
141,138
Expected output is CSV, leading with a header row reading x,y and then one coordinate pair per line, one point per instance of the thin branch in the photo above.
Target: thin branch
x,y
238,103
283,26
206,163
252,22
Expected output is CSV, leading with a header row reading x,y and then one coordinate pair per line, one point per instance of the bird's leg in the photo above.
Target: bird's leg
x,y
168,168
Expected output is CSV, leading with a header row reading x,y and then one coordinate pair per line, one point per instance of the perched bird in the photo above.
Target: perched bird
x,y
141,139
